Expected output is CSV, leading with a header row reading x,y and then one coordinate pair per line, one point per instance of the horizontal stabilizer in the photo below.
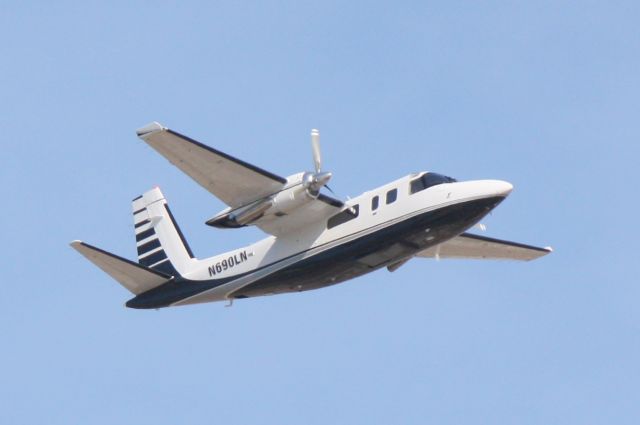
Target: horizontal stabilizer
x,y
135,277
478,247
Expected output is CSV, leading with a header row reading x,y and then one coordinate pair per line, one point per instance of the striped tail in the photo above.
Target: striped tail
x,y
161,245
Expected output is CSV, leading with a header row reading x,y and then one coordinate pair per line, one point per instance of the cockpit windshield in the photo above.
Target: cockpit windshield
x,y
429,179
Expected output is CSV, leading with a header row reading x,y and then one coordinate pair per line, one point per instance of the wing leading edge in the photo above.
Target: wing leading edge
x,y
478,247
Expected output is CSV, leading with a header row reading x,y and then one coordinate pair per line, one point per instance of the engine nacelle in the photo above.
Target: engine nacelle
x,y
288,200
278,204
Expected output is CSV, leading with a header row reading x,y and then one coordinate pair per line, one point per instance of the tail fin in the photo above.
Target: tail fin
x,y
161,245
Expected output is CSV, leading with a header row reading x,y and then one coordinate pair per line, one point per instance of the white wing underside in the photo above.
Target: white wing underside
x,y
235,182
470,246
314,211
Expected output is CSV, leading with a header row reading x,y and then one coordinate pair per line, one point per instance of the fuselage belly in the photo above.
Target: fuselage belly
x,y
372,251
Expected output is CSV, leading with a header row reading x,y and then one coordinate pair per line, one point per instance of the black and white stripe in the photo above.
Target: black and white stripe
x,y
150,251
149,248
145,234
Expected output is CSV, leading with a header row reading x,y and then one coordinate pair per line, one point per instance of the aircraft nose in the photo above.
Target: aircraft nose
x,y
502,188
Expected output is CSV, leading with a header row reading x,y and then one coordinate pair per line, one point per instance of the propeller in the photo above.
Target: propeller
x,y
315,147
314,181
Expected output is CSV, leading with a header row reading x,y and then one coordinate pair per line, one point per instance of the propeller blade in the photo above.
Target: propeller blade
x,y
330,190
315,146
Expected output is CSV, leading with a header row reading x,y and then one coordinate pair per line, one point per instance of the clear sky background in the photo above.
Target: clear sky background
x,y
543,94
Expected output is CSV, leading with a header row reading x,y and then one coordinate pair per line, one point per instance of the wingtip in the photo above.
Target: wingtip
x,y
77,245
150,129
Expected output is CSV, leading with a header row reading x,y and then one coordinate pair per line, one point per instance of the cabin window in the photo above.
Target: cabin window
x,y
427,180
343,216
374,203
392,195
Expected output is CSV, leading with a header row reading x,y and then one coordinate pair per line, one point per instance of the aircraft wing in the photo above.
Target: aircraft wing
x,y
235,182
472,246
314,211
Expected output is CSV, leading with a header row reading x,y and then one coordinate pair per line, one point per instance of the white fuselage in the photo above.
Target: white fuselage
x,y
272,254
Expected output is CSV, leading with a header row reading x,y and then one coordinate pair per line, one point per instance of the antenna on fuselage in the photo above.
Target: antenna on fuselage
x,y
482,227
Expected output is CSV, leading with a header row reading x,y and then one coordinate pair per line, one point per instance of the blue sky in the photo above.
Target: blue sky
x,y
541,94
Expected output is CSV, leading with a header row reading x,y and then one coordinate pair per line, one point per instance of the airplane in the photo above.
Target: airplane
x,y
315,240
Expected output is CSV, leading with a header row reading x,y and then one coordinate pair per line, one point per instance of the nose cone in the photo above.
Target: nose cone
x,y
502,188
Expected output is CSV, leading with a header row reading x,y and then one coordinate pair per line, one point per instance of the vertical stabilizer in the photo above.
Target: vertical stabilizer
x,y
160,243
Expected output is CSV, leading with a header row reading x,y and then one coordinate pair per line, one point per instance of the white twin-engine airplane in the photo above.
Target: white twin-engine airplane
x,y
315,240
